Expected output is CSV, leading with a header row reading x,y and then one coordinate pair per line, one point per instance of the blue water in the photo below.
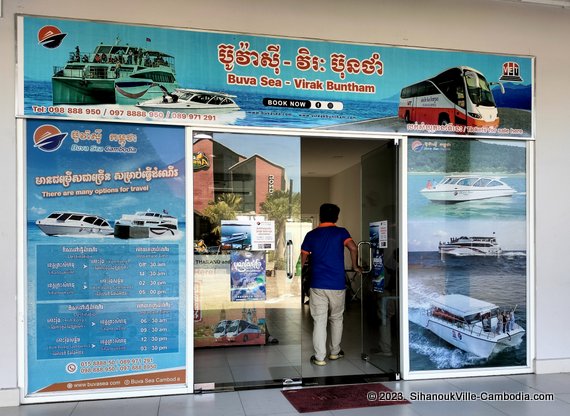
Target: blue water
x,y
500,280
39,93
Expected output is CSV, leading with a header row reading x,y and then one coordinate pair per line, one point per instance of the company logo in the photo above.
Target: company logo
x,y
511,72
200,161
417,146
50,37
48,138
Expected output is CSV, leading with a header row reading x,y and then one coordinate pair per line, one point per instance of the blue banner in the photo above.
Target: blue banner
x,y
106,285
91,70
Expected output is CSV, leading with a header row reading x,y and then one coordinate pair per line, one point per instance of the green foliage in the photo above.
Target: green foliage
x,y
225,208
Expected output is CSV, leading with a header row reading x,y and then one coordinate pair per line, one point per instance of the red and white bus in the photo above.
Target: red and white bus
x,y
459,95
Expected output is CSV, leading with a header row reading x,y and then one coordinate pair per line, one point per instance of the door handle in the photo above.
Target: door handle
x,y
366,266
290,267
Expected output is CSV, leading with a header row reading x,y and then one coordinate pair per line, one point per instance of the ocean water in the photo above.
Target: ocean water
x,y
501,280
253,113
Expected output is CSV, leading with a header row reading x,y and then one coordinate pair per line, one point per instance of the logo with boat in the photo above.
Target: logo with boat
x,y
48,138
417,146
50,36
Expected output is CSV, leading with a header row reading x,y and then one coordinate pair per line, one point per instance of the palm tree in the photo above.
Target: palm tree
x,y
225,208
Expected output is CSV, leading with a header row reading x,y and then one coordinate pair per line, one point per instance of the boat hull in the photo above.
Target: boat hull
x,y
125,231
468,251
462,195
470,339
54,229
82,91
133,91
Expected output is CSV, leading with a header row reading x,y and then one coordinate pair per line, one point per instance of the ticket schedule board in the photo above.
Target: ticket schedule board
x,y
105,234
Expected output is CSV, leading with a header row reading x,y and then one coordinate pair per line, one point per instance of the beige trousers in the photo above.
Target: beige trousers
x,y
326,305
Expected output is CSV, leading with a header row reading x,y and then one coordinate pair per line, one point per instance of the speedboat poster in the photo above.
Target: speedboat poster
x,y
106,295
84,69
467,254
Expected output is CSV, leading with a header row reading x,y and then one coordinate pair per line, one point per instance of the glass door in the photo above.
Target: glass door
x,y
380,258
247,237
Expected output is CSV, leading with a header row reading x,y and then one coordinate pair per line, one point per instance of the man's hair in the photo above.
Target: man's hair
x,y
329,213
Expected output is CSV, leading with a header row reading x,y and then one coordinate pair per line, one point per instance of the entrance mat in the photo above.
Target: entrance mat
x,y
317,399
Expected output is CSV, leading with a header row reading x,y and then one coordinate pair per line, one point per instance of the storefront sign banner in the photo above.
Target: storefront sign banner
x,y
91,70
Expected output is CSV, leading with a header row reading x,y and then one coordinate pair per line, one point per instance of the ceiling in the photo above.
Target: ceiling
x,y
555,3
326,157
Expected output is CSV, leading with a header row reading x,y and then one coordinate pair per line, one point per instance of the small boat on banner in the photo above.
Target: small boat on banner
x,y
470,324
74,224
193,100
461,188
146,225
470,246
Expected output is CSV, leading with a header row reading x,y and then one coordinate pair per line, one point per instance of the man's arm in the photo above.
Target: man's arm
x,y
353,248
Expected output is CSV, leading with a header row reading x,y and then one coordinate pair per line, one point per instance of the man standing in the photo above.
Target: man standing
x,y
325,246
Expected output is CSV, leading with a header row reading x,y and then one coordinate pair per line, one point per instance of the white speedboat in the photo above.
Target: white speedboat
x,y
469,324
234,238
74,223
461,188
146,225
195,100
471,246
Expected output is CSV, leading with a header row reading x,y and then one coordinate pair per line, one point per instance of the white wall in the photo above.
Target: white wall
x,y
482,25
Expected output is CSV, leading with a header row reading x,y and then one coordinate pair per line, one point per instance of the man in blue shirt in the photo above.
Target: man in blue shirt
x,y
324,247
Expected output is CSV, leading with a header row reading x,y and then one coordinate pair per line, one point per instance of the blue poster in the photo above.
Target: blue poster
x,y
106,286
247,274
91,70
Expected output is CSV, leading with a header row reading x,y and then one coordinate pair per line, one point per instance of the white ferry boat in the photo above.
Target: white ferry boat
x,y
469,324
146,225
461,188
471,246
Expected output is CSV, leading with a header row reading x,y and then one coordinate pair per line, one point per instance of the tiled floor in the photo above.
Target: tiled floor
x,y
290,358
272,402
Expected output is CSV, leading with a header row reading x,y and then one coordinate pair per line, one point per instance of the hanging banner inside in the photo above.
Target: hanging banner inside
x,y
91,70
106,295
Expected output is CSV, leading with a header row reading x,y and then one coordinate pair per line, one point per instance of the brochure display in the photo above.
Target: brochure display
x,y
467,255
82,69
106,285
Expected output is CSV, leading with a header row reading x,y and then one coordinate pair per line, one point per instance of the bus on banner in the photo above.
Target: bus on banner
x,y
459,95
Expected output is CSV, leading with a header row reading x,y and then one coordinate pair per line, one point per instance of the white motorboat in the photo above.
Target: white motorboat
x,y
471,246
187,99
234,238
146,225
461,188
469,324
74,223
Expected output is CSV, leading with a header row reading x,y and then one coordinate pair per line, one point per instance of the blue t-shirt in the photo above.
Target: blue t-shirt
x,y
325,244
